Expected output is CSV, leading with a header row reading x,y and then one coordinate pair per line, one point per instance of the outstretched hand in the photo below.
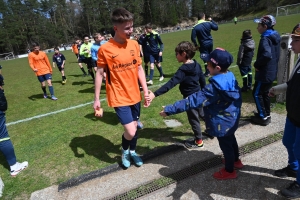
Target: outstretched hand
x,y
162,113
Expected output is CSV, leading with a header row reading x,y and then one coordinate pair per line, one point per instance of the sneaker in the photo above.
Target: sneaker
x,y
224,175
126,158
206,75
261,121
65,81
140,124
53,98
45,96
84,75
256,114
237,164
286,172
17,168
136,159
150,82
161,78
193,144
291,192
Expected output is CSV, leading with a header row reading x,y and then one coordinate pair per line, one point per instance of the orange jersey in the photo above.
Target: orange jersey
x,y
121,63
74,48
40,62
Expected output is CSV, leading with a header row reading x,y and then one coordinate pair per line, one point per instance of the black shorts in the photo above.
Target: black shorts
x,y
60,68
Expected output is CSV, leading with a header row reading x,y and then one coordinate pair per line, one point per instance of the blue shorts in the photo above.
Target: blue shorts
x,y
155,57
60,68
44,77
128,114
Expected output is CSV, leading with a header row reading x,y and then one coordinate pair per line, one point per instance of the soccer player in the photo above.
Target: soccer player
x,y
120,57
40,64
59,59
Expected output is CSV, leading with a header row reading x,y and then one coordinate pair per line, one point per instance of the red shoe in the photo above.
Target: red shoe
x,y
224,175
237,164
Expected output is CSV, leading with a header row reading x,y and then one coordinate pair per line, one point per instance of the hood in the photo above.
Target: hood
x,y
272,35
249,43
227,86
190,68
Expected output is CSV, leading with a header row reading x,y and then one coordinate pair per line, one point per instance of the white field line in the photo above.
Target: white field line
x,y
62,110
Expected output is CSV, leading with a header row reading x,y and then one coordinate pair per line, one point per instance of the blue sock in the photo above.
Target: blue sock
x,y
51,90
151,74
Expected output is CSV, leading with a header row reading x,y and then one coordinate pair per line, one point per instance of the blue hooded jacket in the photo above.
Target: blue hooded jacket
x,y
221,101
267,56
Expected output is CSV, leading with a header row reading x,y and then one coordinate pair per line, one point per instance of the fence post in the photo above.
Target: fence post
x,y
285,64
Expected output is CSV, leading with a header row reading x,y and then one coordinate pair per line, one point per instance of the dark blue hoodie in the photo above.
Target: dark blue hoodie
x,y
189,76
267,56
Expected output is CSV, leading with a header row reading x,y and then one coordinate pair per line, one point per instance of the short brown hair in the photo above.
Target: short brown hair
x,y
148,26
95,35
186,47
121,15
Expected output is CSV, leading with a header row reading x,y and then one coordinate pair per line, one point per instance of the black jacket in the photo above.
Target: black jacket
x,y
267,57
189,76
3,102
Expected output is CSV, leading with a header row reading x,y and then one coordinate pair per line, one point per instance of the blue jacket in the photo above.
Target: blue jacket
x,y
189,76
267,56
221,101
94,49
155,43
202,30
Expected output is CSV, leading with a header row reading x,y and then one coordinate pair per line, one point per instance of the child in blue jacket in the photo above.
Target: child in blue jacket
x,y
221,101
266,66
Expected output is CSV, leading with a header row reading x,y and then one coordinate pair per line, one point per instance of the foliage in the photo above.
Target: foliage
x,y
55,22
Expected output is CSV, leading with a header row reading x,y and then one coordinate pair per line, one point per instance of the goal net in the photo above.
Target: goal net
x,y
7,56
288,10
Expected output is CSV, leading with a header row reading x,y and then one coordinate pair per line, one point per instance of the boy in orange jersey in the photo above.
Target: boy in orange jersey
x,y
40,64
120,57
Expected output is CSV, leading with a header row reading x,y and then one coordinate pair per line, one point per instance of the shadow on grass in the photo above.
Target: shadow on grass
x,y
36,96
109,118
99,147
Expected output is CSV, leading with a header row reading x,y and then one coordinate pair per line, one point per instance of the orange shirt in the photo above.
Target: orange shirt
x,y
121,63
74,48
40,62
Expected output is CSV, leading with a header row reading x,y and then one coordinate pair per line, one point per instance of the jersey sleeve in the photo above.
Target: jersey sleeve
x,y
101,61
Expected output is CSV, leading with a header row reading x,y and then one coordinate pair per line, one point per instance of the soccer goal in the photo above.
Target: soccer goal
x,y
7,56
288,9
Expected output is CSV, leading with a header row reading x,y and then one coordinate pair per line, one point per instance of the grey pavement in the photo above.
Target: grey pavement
x,y
254,181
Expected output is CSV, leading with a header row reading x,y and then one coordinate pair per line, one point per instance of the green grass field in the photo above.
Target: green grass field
x,y
72,142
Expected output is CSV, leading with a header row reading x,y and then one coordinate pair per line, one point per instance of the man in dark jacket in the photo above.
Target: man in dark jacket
x,y
201,31
266,66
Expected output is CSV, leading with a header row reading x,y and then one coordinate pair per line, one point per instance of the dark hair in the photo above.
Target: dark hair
x,y
200,15
56,48
121,15
246,34
34,44
148,26
186,47
84,36
214,65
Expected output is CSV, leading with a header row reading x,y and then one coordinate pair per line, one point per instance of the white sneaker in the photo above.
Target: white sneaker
x,y
17,168
161,78
150,82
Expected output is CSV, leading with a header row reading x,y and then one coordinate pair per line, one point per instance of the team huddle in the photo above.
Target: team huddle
x,y
118,63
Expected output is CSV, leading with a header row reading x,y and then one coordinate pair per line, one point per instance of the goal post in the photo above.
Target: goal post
x,y
288,9
7,56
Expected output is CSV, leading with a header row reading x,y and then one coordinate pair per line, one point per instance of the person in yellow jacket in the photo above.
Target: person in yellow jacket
x,y
39,63
85,51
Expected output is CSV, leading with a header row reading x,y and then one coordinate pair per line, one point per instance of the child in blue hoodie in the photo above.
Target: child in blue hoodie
x,y
221,101
266,66
191,80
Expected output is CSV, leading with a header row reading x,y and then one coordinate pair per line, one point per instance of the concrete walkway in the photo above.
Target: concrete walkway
x,y
255,180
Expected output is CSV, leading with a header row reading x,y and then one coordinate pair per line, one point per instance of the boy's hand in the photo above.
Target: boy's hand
x,y
162,113
151,95
147,101
272,92
98,112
